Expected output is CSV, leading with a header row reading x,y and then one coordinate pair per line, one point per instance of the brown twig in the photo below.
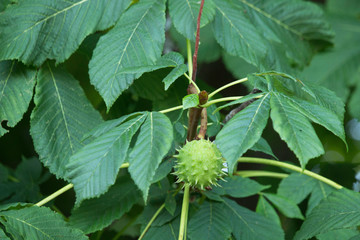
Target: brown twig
x,y
195,113
197,41
203,126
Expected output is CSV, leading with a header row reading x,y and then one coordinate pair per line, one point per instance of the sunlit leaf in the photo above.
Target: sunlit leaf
x,y
61,117
152,144
136,40
43,29
243,130
339,210
38,223
94,168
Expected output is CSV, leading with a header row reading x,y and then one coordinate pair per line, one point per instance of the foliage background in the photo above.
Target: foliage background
x,y
338,64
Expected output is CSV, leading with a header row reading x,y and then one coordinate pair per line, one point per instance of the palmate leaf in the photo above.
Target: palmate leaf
x,y
339,210
34,31
61,117
263,146
38,223
244,130
286,206
250,225
94,168
236,34
320,191
294,129
294,31
16,90
168,231
320,115
95,214
267,210
136,40
151,146
210,222
184,14
303,185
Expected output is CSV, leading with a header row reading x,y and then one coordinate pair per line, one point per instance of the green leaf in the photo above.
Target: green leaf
x,y
170,203
3,235
164,169
339,210
338,234
329,100
294,32
250,225
320,115
95,214
112,12
16,83
210,222
177,72
109,125
267,210
320,191
263,146
38,223
168,231
191,100
236,34
239,101
184,14
42,29
136,40
296,187
286,206
94,168
61,117
29,176
238,187
294,129
151,146
243,130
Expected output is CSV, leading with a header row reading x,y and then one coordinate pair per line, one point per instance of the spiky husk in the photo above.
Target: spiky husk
x,y
199,163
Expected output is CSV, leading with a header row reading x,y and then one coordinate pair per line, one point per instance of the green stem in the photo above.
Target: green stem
x,y
184,212
151,221
171,109
291,167
220,100
64,189
14,179
189,56
54,195
226,86
191,81
261,174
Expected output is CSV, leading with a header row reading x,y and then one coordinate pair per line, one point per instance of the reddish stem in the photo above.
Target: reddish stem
x,y
195,113
197,41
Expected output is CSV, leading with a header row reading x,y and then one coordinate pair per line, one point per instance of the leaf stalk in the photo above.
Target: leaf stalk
x,y
291,167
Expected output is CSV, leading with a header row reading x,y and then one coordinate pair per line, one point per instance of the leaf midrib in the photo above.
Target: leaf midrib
x,y
48,17
61,108
6,80
127,44
269,16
